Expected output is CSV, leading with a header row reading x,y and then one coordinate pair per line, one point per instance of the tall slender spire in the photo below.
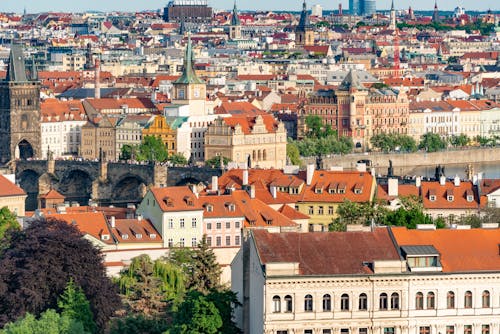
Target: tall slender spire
x,y
188,73
16,70
392,5
235,20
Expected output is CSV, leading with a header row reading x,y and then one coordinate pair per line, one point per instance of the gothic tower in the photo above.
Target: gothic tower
x,y
20,131
392,24
235,27
189,89
304,33
435,14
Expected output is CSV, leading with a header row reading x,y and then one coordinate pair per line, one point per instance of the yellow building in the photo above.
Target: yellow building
x,y
160,128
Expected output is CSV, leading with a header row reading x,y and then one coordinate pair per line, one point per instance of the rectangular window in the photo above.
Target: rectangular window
x,y
182,242
209,226
181,223
424,330
308,331
331,210
388,330
193,222
237,240
320,210
193,242
468,329
219,226
450,329
228,225
218,241
209,241
281,332
170,223
170,242
228,240
327,331
485,329
311,210
236,224
363,331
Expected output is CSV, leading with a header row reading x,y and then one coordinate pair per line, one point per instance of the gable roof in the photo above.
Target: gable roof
x,y
8,188
171,199
333,253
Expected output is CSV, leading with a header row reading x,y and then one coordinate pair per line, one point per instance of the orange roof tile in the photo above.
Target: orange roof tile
x,y
8,188
173,199
91,223
52,194
459,194
135,231
477,251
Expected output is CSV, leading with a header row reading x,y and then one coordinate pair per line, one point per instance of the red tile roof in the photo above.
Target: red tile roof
x,y
459,194
136,231
460,250
8,188
52,194
333,253
91,223
173,199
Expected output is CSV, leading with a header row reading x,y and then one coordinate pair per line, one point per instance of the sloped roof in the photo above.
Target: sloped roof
x,y
478,253
334,253
351,81
8,188
16,70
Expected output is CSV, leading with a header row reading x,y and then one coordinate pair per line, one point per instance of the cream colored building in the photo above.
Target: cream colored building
x,y
259,139
12,196
388,281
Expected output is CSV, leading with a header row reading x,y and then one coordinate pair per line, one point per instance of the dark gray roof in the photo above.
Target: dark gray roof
x,y
351,81
419,250
83,93
16,70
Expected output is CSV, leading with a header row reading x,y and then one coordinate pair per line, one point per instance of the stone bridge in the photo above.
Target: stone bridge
x,y
105,183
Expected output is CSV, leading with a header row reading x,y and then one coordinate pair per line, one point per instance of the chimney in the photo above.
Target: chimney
x,y
245,177
113,221
442,180
252,191
475,180
418,182
139,217
194,189
215,183
274,191
457,181
392,189
309,174
97,93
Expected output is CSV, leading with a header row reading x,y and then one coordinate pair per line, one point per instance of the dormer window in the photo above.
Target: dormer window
x,y
358,188
231,207
470,198
105,237
138,236
319,188
469,195
432,195
125,236
209,207
152,236
422,258
449,195
168,201
341,188
189,200
450,198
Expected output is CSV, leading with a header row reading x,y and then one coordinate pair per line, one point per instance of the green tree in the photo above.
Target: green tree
x,y
314,126
225,300
126,152
74,304
354,213
150,287
204,271
177,159
8,222
196,315
50,322
138,323
216,161
459,140
152,149
292,152
432,142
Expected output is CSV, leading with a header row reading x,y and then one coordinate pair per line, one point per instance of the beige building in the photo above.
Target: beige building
x,y
99,135
385,281
12,196
258,138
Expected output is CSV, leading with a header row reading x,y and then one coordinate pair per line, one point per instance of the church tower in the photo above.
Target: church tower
x,y
435,15
235,27
189,89
392,24
304,33
20,131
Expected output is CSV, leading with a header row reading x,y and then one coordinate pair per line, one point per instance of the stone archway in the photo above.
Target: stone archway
x,y
24,150
76,186
187,181
130,189
28,181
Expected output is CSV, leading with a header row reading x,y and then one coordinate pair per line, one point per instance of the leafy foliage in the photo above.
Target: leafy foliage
x,y
215,161
393,141
292,152
8,222
326,145
139,324
50,322
460,140
151,149
148,287
197,315
74,304
432,142
177,159
38,263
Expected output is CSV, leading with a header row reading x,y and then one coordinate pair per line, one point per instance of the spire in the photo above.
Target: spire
x,y
188,74
235,20
392,5
16,70
351,81
304,22
34,72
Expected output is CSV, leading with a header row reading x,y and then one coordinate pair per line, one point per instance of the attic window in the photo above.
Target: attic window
x,y
231,207
168,201
450,198
470,198
105,237
125,236
358,188
209,207
449,195
422,258
152,236
341,188
189,200
138,236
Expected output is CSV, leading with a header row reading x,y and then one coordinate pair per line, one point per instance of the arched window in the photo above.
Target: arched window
x,y
308,303
450,299
276,304
363,302
486,298
419,301
431,298
395,301
344,302
288,303
468,299
383,301
327,302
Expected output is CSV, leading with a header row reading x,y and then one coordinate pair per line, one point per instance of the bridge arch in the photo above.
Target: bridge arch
x,y
28,181
76,186
187,180
130,188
